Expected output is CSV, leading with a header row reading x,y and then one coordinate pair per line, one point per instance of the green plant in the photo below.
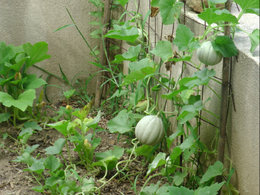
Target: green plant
x,y
57,174
27,131
149,130
181,160
142,86
75,130
17,86
51,172
68,94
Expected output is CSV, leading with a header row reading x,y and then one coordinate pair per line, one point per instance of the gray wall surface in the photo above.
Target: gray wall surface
x,y
36,20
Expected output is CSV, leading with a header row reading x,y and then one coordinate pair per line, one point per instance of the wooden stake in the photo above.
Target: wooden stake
x,y
103,61
224,99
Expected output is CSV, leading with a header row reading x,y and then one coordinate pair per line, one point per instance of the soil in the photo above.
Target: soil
x,y
15,181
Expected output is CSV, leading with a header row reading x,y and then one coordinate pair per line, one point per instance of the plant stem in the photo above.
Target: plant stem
x,y
152,176
108,61
15,116
240,15
147,95
47,72
218,96
67,148
85,40
106,171
127,162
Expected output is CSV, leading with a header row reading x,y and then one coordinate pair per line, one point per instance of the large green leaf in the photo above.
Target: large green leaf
x,y
158,161
25,134
163,49
179,177
22,102
56,148
213,171
188,112
249,6
33,125
25,158
33,82
139,65
109,157
211,16
19,62
188,143
139,70
52,163
4,81
30,149
165,189
254,38
225,46
176,152
36,52
37,166
151,189
145,150
117,152
209,190
122,123
170,10
124,32
4,117
132,52
155,3
121,2
6,53
181,190
61,126
204,75
201,77
138,75
119,93
184,37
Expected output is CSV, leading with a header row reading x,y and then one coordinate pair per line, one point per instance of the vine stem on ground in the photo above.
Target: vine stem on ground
x,y
118,171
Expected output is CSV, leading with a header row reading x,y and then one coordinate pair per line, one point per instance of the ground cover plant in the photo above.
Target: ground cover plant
x,y
17,86
146,154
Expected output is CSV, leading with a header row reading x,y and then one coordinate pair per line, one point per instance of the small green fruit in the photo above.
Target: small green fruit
x,y
207,55
149,130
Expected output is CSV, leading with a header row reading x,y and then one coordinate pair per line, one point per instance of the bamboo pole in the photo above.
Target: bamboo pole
x,y
103,61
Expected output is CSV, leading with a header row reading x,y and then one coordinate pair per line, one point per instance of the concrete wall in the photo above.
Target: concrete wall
x,y
36,20
243,128
243,131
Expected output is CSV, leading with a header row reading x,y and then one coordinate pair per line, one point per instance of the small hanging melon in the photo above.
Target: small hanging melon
x,y
149,130
208,55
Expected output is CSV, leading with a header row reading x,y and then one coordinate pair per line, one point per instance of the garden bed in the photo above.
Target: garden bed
x,y
150,138
14,180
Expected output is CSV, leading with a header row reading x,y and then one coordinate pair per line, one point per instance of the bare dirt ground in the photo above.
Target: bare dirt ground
x,y
15,181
